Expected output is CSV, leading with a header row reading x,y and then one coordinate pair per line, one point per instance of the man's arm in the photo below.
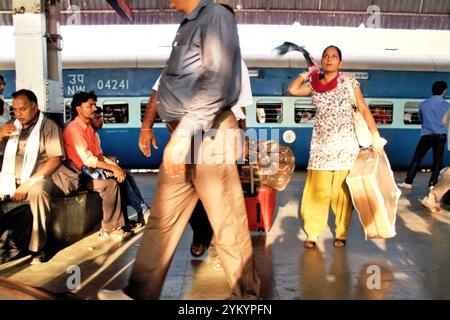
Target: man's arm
x,y
147,136
90,158
75,141
107,164
46,170
54,150
6,130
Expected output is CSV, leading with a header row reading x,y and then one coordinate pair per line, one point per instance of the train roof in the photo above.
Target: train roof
x,y
142,46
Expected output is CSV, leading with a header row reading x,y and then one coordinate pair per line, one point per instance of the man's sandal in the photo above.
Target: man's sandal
x,y
197,249
339,243
310,244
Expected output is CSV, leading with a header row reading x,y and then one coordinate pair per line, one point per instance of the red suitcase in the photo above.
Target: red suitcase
x,y
261,209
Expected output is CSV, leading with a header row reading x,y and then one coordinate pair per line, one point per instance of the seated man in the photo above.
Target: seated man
x,y
83,149
131,196
432,202
33,150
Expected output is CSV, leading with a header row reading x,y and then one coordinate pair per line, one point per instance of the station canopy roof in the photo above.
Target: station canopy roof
x,y
393,14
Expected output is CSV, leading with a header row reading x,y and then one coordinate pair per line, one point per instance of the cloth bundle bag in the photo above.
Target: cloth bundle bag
x,y
273,163
374,194
371,182
362,131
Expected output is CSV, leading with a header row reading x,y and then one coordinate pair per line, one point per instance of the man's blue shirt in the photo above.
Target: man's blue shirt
x,y
431,114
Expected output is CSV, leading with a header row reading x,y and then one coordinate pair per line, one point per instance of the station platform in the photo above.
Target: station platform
x,y
413,265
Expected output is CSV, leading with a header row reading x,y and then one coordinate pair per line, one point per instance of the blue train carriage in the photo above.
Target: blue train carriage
x,y
394,108
396,69
293,117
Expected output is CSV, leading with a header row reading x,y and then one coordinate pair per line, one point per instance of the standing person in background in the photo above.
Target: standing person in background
x,y
334,147
432,202
433,135
198,87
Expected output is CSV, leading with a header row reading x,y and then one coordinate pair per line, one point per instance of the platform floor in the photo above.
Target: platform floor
x,y
413,265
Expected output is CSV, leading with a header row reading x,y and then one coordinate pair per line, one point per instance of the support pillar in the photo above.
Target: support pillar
x,y
38,53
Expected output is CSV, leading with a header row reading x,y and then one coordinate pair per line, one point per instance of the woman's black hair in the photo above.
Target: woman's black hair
x,y
333,47
2,107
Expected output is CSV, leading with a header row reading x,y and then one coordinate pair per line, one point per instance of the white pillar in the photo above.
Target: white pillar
x,y
38,65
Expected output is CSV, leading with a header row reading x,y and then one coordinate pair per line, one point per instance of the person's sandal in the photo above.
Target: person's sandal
x,y
430,205
310,244
339,243
197,249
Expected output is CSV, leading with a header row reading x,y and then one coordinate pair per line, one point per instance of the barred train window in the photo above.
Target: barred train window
x,y
11,112
115,112
67,112
304,112
143,107
269,111
382,111
411,113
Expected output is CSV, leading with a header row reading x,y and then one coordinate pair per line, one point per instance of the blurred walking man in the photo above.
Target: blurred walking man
x,y
201,82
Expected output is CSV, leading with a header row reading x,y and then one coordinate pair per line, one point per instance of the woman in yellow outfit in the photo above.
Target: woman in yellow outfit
x,y
334,146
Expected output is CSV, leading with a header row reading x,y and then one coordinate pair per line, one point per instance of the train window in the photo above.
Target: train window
x,y
382,111
67,112
304,112
411,113
143,107
115,112
269,111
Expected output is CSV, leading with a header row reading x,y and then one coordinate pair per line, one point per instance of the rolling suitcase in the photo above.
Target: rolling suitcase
x,y
261,180
261,209
374,194
260,201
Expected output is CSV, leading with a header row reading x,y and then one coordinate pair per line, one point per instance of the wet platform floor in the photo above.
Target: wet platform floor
x,y
412,265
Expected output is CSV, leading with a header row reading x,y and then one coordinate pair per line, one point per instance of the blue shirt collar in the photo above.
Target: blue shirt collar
x,y
194,14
